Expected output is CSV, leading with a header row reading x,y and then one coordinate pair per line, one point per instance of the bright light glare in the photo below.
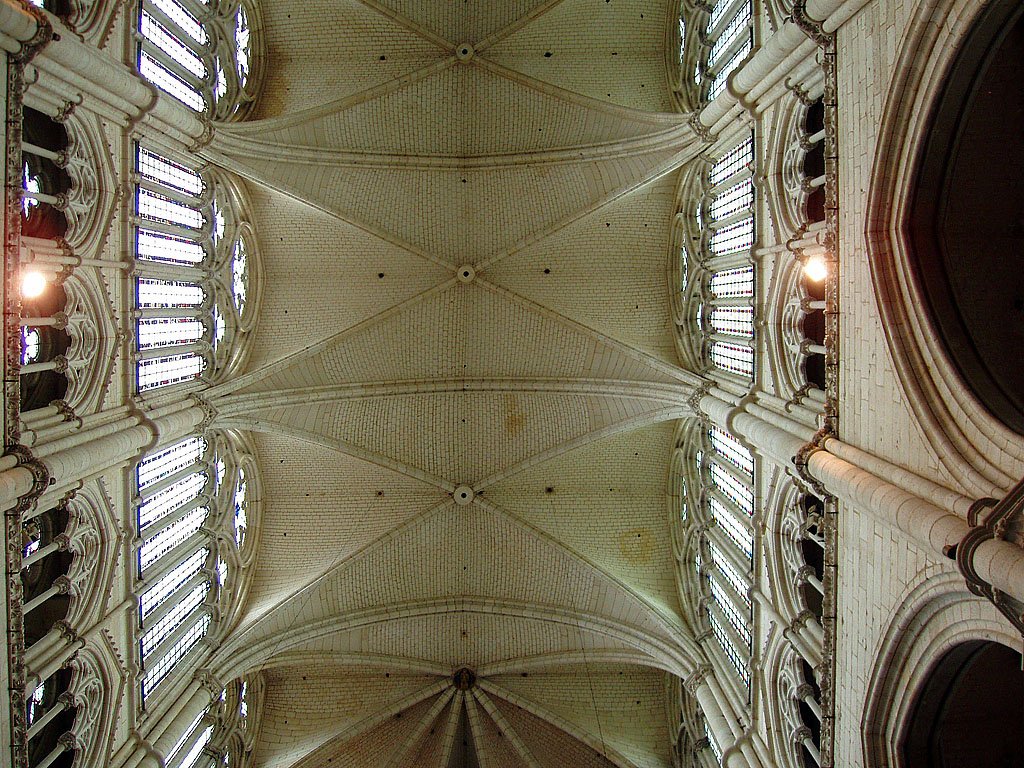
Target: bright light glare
x,y
816,269
32,285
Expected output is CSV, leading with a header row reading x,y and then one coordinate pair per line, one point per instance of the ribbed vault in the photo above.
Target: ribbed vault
x,y
466,718
463,384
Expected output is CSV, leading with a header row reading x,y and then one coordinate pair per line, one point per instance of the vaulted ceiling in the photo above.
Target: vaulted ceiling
x,y
463,385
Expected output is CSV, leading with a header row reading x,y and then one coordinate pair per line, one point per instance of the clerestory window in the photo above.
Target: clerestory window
x,y
193,294
725,565
173,557
725,221
198,53
194,509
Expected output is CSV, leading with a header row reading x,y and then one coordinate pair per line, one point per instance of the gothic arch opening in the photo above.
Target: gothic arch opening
x,y
966,220
969,710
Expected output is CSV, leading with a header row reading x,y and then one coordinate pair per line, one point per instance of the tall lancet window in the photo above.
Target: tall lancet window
x,y
173,338
200,52
727,571
728,40
195,514
725,219
174,557
195,287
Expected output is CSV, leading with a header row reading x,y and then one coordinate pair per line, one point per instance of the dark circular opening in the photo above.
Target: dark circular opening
x,y
965,223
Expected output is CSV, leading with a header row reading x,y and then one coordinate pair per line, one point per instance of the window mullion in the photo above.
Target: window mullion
x,y
741,475
725,57
165,60
736,341
181,313
178,514
727,547
735,301
737,644
714,225
185,198
179,631
165,228
725,261
176,30
162,656
172,558
173,349
745,172
153,488
178,272
168,603
723,21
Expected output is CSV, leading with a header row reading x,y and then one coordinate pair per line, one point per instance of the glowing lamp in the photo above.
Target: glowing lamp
x,y
32,285
816,269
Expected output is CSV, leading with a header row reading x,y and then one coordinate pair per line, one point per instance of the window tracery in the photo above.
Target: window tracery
x,y
694,746
57,577
195,289
201,52
716,237
68,328
193,504
236,720
714,40
714,542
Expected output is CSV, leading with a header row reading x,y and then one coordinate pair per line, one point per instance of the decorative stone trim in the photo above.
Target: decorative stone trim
x,y
1002,517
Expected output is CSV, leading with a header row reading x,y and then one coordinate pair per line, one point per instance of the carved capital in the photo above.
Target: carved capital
x,y
804,573
800,620
804,455
209,412
993,525
696,679
812,28
702,131
804,691
204,138
65,410
70,741
693,401
802,734
38,41
210,682
63,585
66,631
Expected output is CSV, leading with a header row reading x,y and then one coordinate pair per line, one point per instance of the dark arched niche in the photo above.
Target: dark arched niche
x,y
969,712
965,221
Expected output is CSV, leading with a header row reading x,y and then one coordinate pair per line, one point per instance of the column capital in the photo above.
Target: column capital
x,y
696,679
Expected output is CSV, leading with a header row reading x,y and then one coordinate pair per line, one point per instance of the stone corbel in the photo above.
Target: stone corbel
x,y
1002,517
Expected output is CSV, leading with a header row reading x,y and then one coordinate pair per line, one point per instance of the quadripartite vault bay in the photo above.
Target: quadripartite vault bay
x,y
544,383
